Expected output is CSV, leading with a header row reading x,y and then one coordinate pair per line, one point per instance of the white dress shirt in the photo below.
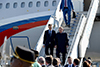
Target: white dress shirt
x,y
70,65
76,66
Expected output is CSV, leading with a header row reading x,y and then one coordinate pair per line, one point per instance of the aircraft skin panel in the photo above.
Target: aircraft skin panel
x,y
33,34
7,30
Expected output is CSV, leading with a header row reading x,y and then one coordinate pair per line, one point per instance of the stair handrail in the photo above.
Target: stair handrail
x,y
87,20
89,24
87,31
76,33
3,54
81,62
12,46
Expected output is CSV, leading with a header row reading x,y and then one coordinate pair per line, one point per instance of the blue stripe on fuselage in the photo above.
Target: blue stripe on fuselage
x,y
5,27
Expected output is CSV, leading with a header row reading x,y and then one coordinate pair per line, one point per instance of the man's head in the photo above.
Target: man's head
x,y
89,61
59,61
61,29
56,62
48,60
22,57
76,61
36,53
69,60
50,57
50,26
86,64
41,60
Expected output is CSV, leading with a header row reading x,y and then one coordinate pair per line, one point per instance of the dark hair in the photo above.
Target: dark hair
x,y
86,64
69,57
89,61
89,58
49,24
76,61
55,62
48,60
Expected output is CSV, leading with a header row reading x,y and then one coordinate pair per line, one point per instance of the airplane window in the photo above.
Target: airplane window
x,y
54,3
0,5
15,5
23,4
46,3
30,4
7,5
38,4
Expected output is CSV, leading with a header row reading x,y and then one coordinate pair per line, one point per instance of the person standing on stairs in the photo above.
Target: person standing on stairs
x,y
49,40
61,44
66,6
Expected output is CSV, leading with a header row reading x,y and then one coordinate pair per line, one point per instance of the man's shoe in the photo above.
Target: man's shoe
x,y
65,26
68,26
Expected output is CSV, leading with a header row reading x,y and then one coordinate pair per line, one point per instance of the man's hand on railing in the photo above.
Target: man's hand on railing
x,y
59,10
43,45
55,46
67,46
73,10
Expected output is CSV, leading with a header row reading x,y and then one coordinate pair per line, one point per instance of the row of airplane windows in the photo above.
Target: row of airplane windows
x,y
30,4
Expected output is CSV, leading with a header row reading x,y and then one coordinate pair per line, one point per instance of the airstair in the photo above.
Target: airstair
x,y
78,34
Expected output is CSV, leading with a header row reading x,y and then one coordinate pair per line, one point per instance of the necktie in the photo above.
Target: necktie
x,y
65,3
50,32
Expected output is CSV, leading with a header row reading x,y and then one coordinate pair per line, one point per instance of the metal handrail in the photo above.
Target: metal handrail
x,y
4,46
88,14
81,61
74,38
89,24
3,59
19,37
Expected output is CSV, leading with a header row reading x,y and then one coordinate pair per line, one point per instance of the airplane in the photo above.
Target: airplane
x,y
28,18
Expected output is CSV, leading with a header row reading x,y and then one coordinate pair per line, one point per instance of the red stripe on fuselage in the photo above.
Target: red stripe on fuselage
x,y
11,31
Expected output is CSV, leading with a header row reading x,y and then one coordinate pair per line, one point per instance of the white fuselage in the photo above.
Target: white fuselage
x,y
27,18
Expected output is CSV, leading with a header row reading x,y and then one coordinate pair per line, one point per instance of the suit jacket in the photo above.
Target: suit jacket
x,y
48,38
68,64
57,66
69,3
61,42
76,66
43,66
50,65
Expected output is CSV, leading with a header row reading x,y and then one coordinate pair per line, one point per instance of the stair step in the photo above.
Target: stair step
x,y
73,24
70,37
67,28
71,33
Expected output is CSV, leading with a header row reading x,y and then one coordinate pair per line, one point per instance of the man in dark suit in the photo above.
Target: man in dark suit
x,y
61,43
66,6
76,62
49,62
49,40
69,63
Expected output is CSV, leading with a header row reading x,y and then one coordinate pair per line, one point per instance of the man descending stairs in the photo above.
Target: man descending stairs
x,y
71,31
